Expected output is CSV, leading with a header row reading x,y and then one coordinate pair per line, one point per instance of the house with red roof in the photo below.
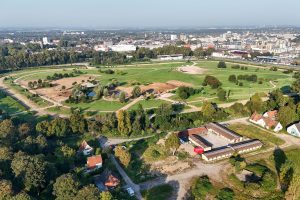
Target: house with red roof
x,y
94,162
268,120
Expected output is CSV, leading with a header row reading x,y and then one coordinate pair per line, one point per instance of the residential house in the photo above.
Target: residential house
x,y
94,162
268,120
85,148
106,180
294,129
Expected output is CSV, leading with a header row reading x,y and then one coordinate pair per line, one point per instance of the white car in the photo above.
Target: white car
x,y
130,191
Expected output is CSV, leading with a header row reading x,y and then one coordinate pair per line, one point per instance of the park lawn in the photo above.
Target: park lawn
x,y
38,100
99,105
159,192
150,103
60,110
253,132
10,105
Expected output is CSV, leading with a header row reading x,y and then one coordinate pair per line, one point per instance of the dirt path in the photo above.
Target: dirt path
x,y
131,103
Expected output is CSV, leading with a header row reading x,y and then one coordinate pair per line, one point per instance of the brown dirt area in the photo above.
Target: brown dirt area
x,y
157,87
56,93
191,70
170,165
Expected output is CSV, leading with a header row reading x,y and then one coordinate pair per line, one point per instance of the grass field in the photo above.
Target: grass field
x,y
10,105
99,105
160,192
252,132
163,72
151,103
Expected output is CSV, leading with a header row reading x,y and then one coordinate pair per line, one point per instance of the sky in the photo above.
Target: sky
x,y
148,13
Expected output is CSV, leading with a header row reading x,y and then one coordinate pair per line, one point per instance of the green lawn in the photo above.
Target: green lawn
x,y
163,72
38,100
99,105
60,110
253,132
159,192
151,103
10,105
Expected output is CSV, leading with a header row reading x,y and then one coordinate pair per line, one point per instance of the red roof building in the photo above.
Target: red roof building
x,y
94,162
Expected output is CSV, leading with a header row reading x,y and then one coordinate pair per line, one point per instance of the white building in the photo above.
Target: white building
x,y
174,37
45,40
123,48
170,57
294,130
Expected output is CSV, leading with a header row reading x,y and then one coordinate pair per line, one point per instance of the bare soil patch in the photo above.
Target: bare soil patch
x,y
170,166
191,70
56,92
157,87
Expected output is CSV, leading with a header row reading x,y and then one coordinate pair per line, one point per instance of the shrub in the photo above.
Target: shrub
x,y
222,64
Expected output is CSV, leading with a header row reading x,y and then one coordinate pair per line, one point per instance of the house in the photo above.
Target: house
x,y
85,148
267,120
271,114
94,162
106,180
294,129
257,119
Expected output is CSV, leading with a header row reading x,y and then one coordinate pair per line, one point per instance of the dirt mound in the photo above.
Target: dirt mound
x,y
191,70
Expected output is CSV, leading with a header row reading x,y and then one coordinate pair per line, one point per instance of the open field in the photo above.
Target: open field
x,y
10,105
157,77
251,131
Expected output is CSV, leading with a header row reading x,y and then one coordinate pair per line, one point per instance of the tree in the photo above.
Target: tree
x,y
65,155
221,94
222,64
78,123
201,187
212,81
136,92
106,195
58,127
208,110
7,129
287,115
65,187
31,170
24,130
6,190
256,104
232,78
172,143
294,188
225,194
122,97
89,192
124,124
123,155
22,196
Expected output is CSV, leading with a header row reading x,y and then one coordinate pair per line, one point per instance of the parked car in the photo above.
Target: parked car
x,y
130,191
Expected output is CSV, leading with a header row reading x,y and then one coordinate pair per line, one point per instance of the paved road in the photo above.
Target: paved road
x,y
125,177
